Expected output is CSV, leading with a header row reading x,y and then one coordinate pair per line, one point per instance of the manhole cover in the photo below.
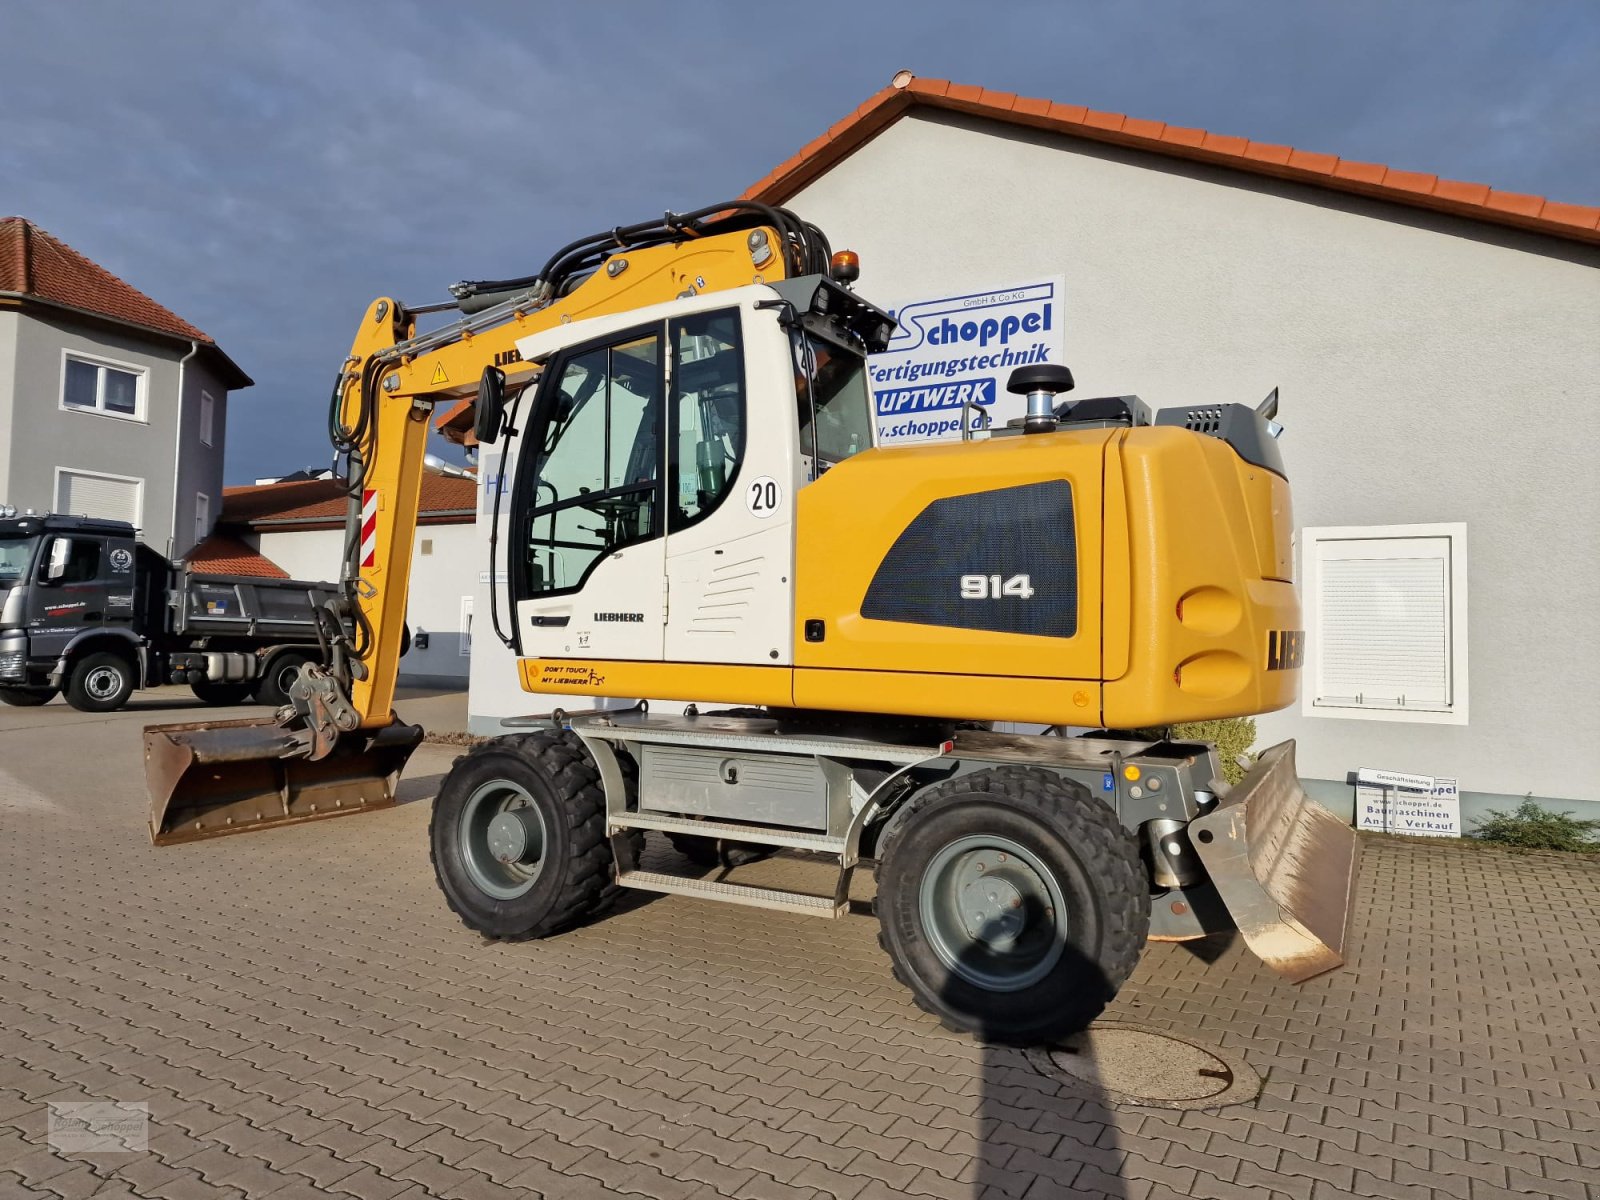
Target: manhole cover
x,y
1130,1065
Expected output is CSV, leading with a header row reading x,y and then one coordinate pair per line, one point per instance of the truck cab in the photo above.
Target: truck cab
x,y
67,583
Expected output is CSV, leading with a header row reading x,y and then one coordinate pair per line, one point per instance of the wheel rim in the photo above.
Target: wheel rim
x,y
103,682
994,913
286,677
502,838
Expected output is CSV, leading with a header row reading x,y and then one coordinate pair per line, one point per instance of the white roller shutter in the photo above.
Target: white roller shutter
x,y
1386,621
87,494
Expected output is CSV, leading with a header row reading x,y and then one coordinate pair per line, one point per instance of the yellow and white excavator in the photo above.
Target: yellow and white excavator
x,y
690,505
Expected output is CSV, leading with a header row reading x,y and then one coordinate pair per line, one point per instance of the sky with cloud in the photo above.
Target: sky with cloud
x,y
265,169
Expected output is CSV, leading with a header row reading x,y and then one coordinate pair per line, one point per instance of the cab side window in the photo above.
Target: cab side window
x,y
83,562
597,458
708,412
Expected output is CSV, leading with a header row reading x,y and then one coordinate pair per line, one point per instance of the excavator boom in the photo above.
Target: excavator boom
x,y
340,747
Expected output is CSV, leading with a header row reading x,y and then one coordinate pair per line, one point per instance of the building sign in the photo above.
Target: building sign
x,y
956,351
1418,805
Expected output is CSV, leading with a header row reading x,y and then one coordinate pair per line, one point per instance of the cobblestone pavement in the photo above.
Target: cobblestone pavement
x,y
304,1017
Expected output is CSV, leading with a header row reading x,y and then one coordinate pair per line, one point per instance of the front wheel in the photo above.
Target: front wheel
x,y
1012,903
100,683
518,836
26,697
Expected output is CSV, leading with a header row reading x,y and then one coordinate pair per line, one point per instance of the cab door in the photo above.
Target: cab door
x,y
71,592
588,564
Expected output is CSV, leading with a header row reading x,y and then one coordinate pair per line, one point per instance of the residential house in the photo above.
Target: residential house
x,y
110,405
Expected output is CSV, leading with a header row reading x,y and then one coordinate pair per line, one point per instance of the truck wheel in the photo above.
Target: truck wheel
x,y
26,697
100,683
1012,903
221,694
273,689
518,836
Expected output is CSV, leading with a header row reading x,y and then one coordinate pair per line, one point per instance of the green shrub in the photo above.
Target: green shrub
x,y
1233,736
1535,828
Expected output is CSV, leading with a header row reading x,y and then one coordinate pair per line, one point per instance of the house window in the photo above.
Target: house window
x,y
92,494
202,517
208,419
101,386
466,627
1386,622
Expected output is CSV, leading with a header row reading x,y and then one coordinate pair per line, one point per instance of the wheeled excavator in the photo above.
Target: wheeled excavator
x,y
690,504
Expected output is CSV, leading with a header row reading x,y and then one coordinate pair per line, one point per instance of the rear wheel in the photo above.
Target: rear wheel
x,y
518,836
1012,904
26,697
220,694
281,672
100,683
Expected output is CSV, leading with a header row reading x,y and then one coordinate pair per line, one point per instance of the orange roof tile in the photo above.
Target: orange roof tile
x,y
313,503
222,554
1574,221
36,266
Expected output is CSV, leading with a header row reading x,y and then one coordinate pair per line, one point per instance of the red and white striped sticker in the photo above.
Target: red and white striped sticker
x,y
369,527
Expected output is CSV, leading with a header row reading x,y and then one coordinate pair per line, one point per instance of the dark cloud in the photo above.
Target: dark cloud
x,y
266,169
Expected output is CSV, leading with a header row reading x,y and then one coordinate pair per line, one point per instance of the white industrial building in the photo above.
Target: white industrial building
x,y
1437,347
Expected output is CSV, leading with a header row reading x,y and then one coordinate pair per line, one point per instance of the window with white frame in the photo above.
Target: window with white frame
x,y
92,494
1386,622
101,386
202,517
208,419
466,626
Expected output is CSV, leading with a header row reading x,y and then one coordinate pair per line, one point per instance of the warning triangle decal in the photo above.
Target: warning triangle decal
x,y
439,375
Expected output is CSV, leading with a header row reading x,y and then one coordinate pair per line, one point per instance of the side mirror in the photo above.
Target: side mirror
x,y
489,417
60,553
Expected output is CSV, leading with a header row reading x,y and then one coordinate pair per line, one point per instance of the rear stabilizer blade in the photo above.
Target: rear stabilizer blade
x,y
209,779
1284,865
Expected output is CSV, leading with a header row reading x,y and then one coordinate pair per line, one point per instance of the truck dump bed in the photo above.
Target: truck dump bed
x,y
246,606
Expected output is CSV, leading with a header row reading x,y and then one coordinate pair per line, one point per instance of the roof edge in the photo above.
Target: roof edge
x,y
235,378
1474,201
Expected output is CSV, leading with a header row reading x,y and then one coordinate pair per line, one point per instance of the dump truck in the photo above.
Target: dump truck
x,y
89,610
691,505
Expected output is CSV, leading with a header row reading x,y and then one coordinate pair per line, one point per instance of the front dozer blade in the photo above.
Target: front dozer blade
x,y
219,777
1284,865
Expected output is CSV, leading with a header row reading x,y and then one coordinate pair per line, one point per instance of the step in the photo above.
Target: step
x,y
733,893
757,835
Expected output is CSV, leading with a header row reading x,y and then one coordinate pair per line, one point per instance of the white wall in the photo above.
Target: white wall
x,y
1432,369
444,561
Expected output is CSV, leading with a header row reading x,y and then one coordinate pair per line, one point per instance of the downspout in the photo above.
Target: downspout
x,y
177,446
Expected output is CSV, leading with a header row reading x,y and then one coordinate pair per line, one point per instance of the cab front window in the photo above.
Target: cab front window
x,y
15,555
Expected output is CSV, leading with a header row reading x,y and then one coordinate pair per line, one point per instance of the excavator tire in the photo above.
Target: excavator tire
x,y
1012,903
518,836
708,852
